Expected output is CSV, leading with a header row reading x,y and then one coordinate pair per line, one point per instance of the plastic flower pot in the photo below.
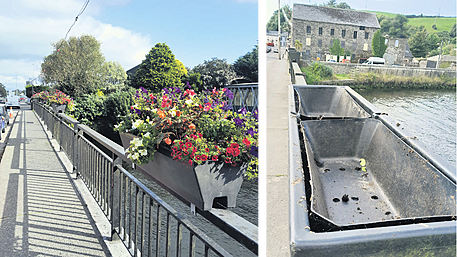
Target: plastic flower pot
x,y
211,184
58,108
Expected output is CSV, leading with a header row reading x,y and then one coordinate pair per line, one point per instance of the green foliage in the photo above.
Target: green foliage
x,y
215,73
2,90
194,80
375,80
442,24
114,74
396,27
316,72
432,41
159,70
336,48
248,66
452,33
75,66
418,43
41,88
272,24
88,110
332,3
378,44
298,45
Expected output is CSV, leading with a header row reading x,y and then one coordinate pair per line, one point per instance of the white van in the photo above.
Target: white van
x,y
375,60
13,101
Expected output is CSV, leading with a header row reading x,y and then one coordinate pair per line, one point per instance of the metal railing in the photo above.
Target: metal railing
x,y
146,224
244,95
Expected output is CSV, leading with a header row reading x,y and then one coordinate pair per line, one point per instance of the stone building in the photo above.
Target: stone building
x,y
316,27
398,52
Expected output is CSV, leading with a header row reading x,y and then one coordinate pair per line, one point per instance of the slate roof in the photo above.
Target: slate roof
x,y
408,51
334,15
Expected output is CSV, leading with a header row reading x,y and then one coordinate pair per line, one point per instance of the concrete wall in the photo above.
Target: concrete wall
x,y
345,68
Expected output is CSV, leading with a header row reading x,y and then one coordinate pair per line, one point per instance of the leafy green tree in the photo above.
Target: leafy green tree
x,y
432,42
452,33
2,90
396,27
298,45
194,80
272,24
248,65
114,74
343,5
332,3
378,44
336,49
215,73
418,43
75,66
159,70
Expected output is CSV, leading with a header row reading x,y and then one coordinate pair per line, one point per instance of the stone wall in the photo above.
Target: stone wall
x,y
346,68
312,40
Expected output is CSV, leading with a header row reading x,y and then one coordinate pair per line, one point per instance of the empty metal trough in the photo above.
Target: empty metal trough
x,y
359,186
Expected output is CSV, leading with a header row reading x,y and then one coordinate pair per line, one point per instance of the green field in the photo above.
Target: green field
x,y
442,24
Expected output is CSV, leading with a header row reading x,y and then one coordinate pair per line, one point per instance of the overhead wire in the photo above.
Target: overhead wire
x,y
83,8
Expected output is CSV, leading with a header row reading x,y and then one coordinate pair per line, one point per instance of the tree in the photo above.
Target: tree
x,y
248,66
272,24
378,44
432,42
75,66
343,5
396,27
336,49
418,43
2,90
298,45
114,74
159,70
215,73
332,3
452,33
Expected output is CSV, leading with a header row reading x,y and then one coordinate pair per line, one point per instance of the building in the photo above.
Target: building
x,y
272,37
316,27
398,53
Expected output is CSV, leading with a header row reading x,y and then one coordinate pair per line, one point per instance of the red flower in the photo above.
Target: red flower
x,y
207,150
234,145
168,141
227,160
197,157
229,150
215,158
188,144
246,142
190,162
236,152
204,157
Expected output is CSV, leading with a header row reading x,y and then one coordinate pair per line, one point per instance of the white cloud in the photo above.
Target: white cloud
x,y
26,39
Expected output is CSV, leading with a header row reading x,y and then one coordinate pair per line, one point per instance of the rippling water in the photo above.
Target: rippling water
x,y
429,114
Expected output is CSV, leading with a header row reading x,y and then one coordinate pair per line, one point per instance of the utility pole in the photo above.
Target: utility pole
x,y
279,29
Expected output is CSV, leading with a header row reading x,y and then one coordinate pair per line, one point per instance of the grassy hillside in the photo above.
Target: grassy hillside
x,y
442,24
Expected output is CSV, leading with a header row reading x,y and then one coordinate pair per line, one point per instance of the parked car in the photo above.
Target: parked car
x,y
375,60
275,50
4,117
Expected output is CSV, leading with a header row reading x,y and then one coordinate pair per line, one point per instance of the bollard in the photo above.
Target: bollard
x,y
11,112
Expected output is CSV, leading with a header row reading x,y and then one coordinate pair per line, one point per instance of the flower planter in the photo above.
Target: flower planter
x,y
58,108
203,185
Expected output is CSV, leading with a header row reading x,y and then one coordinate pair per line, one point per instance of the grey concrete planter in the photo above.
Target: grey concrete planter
x,y
58,108
402,205
206,185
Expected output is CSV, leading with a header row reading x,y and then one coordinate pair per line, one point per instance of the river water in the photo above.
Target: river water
x,y
429,114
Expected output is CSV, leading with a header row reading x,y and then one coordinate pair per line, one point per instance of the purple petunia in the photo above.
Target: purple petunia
x,y
254,151
137,111
251,132
187,84
243,111
144,90
227,107
239,122
255,114
229,94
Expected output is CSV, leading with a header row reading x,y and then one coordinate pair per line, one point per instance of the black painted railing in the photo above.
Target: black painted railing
x,y
244,95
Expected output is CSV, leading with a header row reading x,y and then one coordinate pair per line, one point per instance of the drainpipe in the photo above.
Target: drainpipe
x,y
279,29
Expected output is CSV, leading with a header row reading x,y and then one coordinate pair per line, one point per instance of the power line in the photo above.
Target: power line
x,y
83,8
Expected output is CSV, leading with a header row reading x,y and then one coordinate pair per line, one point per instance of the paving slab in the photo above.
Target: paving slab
x,y
40,212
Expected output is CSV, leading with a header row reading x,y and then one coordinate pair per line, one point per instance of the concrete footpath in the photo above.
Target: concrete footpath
x,y
278,80
41,213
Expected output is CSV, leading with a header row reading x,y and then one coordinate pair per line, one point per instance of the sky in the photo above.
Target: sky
x,y
195,31
426,7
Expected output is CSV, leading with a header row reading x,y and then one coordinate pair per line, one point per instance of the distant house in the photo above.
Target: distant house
x,y
272,37
398,52
316,27
433,61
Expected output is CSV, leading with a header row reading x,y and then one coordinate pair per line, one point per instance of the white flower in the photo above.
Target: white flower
x,y
136,142
143,152
147,135
137,123
189,101
173,112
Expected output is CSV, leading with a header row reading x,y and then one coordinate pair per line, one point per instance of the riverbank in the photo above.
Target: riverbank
x,y
374,80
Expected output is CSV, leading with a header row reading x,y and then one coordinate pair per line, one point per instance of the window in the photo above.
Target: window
x,y
365,47
366,35
396,43
332,32
319,55
386,41
307,52
320,31
355,34
319,42
308,29
354,46
308,41
353,57
343,33
362,27
342,44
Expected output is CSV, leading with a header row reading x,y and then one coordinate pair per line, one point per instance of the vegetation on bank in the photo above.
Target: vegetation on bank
x,y
375,80
316,72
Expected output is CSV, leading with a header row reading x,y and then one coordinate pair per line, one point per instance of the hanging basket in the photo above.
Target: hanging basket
x,y
208,185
